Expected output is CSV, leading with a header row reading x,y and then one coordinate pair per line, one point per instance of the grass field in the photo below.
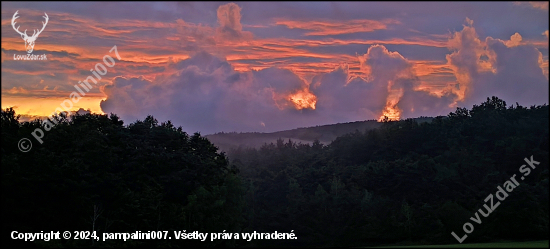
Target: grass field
x,y
525,244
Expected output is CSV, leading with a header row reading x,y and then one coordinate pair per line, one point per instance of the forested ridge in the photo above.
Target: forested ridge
x,y
403,182
324,134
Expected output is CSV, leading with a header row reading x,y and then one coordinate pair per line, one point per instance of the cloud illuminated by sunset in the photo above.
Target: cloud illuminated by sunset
x,y
267,66
324,28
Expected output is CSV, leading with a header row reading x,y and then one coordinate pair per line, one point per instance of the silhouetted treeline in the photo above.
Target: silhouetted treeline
x,y
91,172
404,182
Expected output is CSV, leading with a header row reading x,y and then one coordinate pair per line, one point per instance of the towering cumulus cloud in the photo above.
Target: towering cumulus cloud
x,y
229,19
205,93
508,69
402,95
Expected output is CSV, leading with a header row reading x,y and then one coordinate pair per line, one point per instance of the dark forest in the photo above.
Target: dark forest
x,y
404,182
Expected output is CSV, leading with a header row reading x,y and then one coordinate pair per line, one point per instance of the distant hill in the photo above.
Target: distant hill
x,y
324,133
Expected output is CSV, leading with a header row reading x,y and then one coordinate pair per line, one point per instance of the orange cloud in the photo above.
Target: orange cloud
x,y
536,5
515,40
303,99
319,28
466,60
539,5
16,90
512,69
229,19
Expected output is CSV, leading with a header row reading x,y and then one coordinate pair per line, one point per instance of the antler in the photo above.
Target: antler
x,y
13,24
43,25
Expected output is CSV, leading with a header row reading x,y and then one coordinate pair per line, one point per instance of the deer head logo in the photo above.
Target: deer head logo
x,y
29,40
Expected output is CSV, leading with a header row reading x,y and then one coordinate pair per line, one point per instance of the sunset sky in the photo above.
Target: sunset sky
x,y
269,66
